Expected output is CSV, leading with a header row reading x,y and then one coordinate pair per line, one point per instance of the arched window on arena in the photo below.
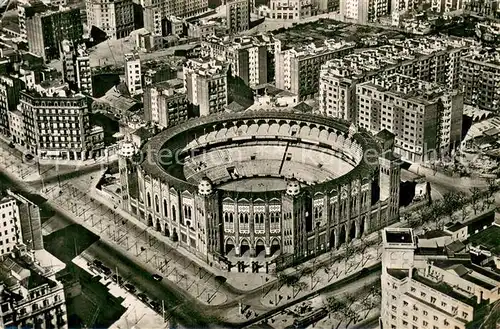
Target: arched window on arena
x,y
174,214
149,199
231,219
189,212
157,204
165,208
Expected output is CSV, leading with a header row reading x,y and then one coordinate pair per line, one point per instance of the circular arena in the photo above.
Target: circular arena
x,y
266,184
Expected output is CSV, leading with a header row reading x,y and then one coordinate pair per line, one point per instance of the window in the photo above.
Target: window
x,y
425,323
425,312
433,300
415,318
465,315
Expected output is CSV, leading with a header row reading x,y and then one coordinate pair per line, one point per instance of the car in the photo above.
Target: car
x,y
105,270
116,278
97,263
157,277
142,296
129,287
155,305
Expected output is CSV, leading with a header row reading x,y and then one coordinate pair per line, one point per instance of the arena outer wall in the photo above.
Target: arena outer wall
x,y
300,220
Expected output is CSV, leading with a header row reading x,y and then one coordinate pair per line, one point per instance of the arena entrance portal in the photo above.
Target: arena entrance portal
x,y
260,248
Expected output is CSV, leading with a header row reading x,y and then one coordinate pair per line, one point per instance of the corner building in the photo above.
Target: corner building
x,y
253,183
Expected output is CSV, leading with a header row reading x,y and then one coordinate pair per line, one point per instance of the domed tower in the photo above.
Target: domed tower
x,y
126,152
293,187
205,187
211,225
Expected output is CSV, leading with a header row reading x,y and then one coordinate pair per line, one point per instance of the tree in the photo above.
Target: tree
x,y
493,187
451,202
476,196
297,287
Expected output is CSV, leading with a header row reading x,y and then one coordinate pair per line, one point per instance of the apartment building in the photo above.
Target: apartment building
x,y
10,226
425,117
403,6
115,18
56,124
432,59
29,219
76,67
9,98
205,82
288,10
445,6
237,15
424,286
133,77
298,68
363,11
247,55
44,28
156,12
166,103
480,78
29,296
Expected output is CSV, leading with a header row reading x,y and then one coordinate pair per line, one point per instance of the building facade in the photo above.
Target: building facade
x,y
298,69
10,226
115,18
426,118
426,287
480,78
205,82
57,126
248,56
156,12
297,219
30,297
133,76
47,27
9,98
237,15
363,11
290,10
432,59
445,6
76,67
166,104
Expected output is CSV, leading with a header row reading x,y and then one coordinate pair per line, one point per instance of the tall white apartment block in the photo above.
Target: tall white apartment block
x,y
247,55
425,287
10,225
363,11
289,10
298,68
432,59
425,117
133,75
205,82
402,6
116,18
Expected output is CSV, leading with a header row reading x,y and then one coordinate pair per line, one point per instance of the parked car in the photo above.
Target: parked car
x,y
116,278
142,296
130,287
157,277
106,270
155,305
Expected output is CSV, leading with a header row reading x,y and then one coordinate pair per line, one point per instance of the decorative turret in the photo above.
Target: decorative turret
x,y
293,187
205,187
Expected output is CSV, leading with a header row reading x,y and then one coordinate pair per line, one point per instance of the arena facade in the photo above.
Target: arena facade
x,y
263,182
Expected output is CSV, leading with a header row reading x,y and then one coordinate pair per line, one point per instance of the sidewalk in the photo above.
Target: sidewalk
x,y
240,281
138,314
430,174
